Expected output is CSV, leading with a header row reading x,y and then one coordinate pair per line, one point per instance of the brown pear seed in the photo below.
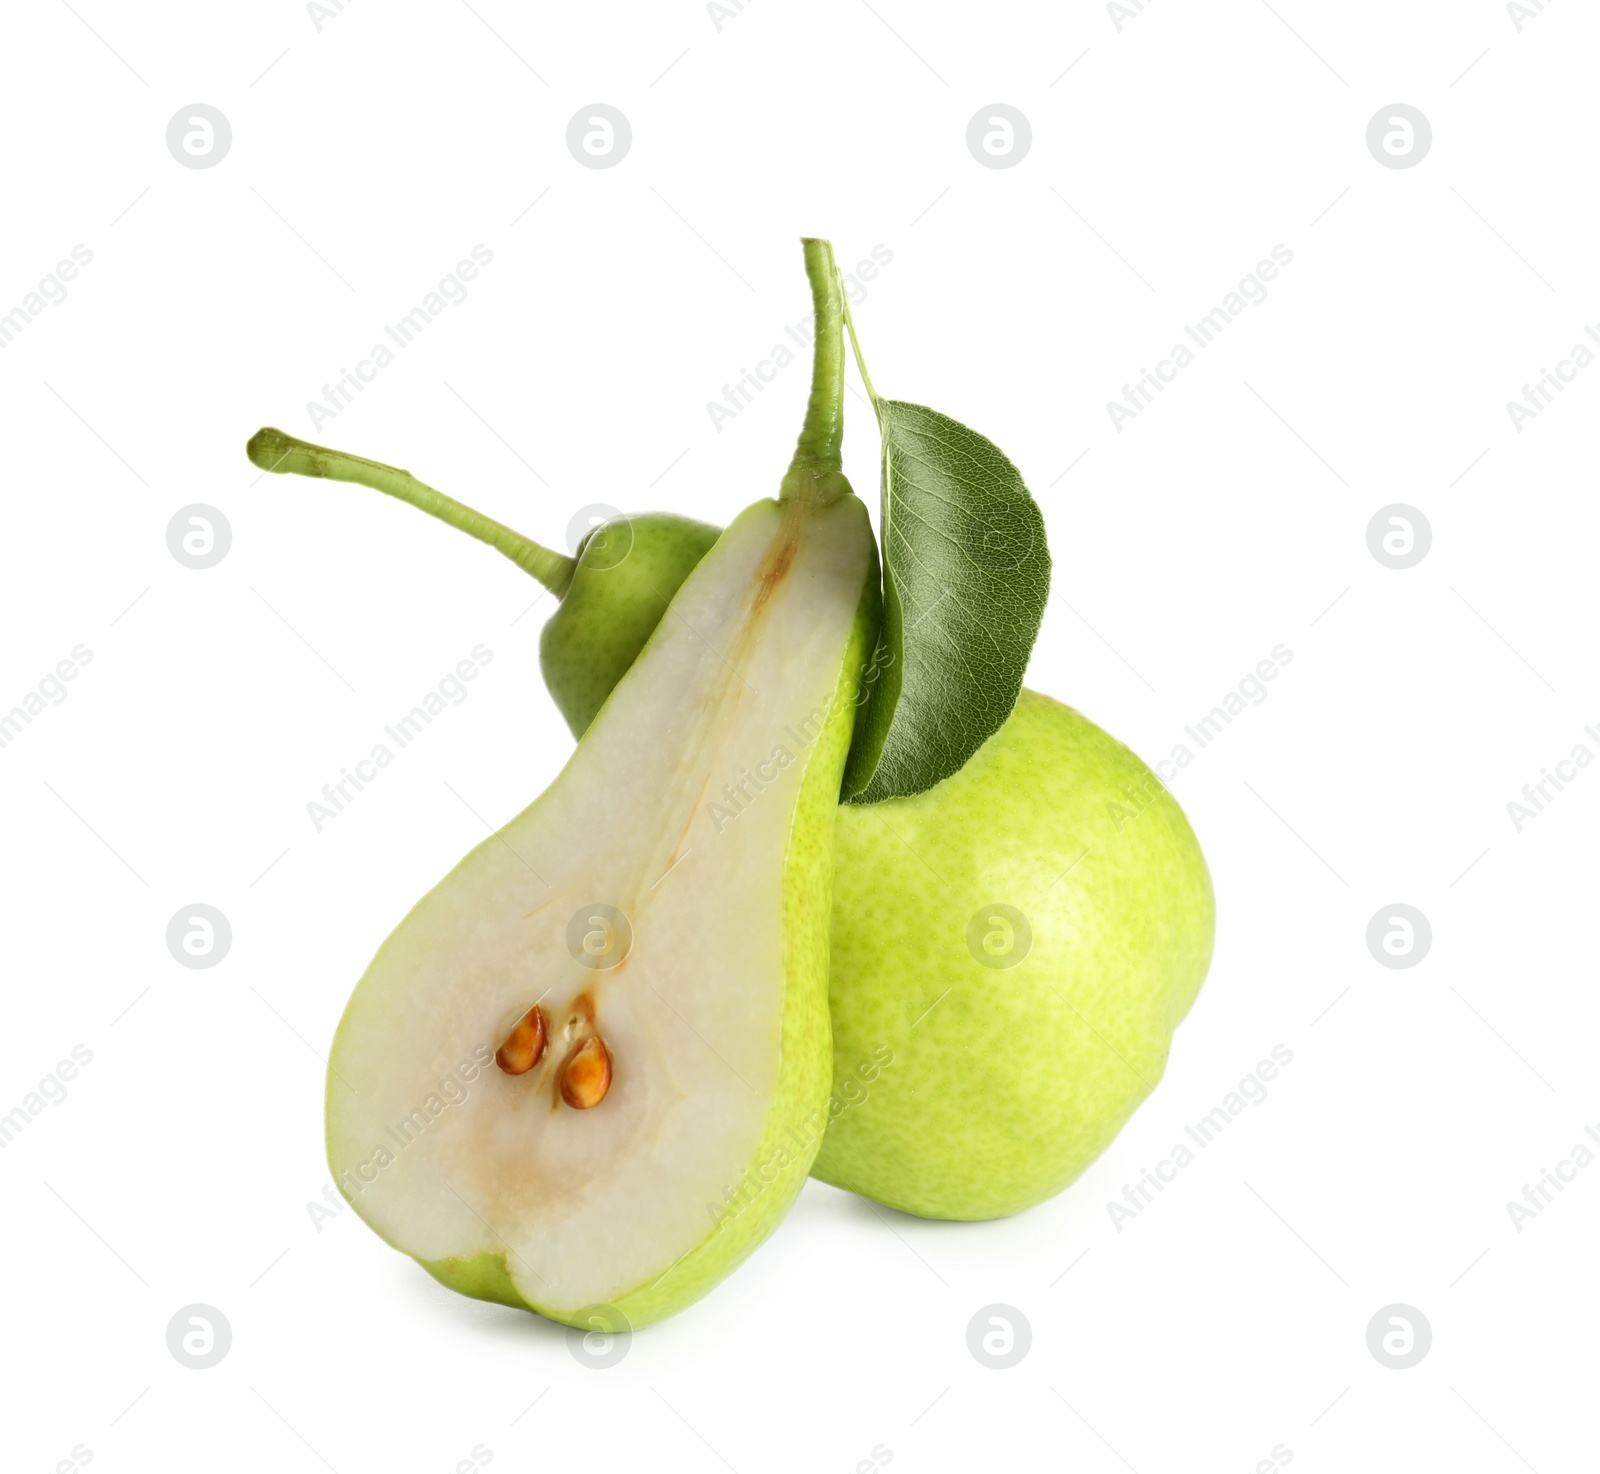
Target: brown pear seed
x,y
587,1077
524,1045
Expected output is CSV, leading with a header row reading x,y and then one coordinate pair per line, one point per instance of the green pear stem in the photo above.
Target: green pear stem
x,y
273,450
817,467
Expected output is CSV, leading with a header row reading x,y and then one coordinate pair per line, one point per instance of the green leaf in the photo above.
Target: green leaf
x,y
966,573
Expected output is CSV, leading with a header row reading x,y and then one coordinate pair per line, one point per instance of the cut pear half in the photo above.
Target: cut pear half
x,y
665,907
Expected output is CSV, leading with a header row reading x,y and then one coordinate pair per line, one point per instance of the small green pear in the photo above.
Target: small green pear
x,y
1011,952
627,571
613,592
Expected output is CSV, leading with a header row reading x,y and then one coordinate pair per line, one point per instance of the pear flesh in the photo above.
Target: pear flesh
x,y
669,896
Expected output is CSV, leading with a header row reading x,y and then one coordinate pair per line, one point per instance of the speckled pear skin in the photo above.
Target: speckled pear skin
x,y
610,608
1005,1083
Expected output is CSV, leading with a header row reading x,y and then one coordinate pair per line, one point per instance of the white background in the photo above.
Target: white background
x,y
1168,157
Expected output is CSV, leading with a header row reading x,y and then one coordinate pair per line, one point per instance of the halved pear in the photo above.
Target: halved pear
x,y
665,907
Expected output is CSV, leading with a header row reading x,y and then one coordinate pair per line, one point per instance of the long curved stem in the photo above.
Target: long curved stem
x,y
273,450
818,461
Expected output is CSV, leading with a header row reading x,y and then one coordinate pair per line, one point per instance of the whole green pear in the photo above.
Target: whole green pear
x,y
1011,952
